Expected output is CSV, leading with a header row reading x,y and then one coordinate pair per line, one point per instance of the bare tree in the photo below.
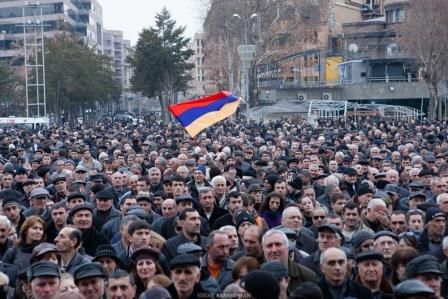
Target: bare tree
x,y
424,35
282,27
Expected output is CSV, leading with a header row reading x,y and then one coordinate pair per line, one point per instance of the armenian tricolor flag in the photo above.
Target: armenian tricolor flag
x,y
197,115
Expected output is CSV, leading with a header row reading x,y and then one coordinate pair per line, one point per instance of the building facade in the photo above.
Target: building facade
x,y
114,48
198,82
82,16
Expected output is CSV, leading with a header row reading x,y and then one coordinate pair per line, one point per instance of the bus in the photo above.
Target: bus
x,y
27,123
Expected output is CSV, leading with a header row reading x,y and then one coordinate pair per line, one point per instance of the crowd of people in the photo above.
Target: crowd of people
x,y
273,210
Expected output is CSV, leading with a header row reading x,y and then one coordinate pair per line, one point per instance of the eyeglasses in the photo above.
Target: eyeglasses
x,y
319,217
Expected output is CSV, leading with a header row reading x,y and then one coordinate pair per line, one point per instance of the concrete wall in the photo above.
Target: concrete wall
x,y
361,91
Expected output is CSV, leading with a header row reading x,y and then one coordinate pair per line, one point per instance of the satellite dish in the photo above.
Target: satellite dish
x,y
353,48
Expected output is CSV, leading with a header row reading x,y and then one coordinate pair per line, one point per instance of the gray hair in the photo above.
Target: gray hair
x,y
445,243
227,228
205,189
218,178
4,220
272,232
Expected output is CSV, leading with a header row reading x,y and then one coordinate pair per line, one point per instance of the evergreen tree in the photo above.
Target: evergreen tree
x,y
160,61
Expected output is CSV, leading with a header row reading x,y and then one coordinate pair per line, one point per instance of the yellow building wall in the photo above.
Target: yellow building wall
x,y
332,69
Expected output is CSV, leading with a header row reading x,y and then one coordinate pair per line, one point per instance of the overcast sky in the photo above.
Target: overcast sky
x,y
131,16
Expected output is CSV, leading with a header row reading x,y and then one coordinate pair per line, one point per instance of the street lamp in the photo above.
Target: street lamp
x,y
246,53
246,23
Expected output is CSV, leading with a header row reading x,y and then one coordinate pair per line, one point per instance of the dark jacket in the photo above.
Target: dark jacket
x,y
3,248
424,247
216,214
352,289
306,242
77,260
224,220
91,239
101,218
112,227
169,248
313,262
31,212
194,192
19,256
225,274
198,292
51,232
299,274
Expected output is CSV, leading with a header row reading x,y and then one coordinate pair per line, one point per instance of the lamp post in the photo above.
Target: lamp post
x,y
246,53
246,23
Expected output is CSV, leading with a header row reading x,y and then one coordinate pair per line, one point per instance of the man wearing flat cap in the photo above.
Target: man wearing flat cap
x,y
351,181
413,289
186,275
104,211
371,274
426,268
82,217
432,236
44,277
39,198
89,278
385,242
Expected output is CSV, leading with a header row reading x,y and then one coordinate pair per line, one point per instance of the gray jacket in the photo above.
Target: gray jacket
x,y
225,275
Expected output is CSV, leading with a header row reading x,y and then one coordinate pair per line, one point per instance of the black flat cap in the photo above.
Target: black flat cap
x,y
76,195
277,268
364,189
43,268
106,251
423,264
331,227
41,249
360,236
97,178
144,197
183,197
382,233
189,248
412,287
425,171
368,256
105,195
59,179
433,213
88,270
145,253
184,260
10,201
350,171
77,208
28,182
